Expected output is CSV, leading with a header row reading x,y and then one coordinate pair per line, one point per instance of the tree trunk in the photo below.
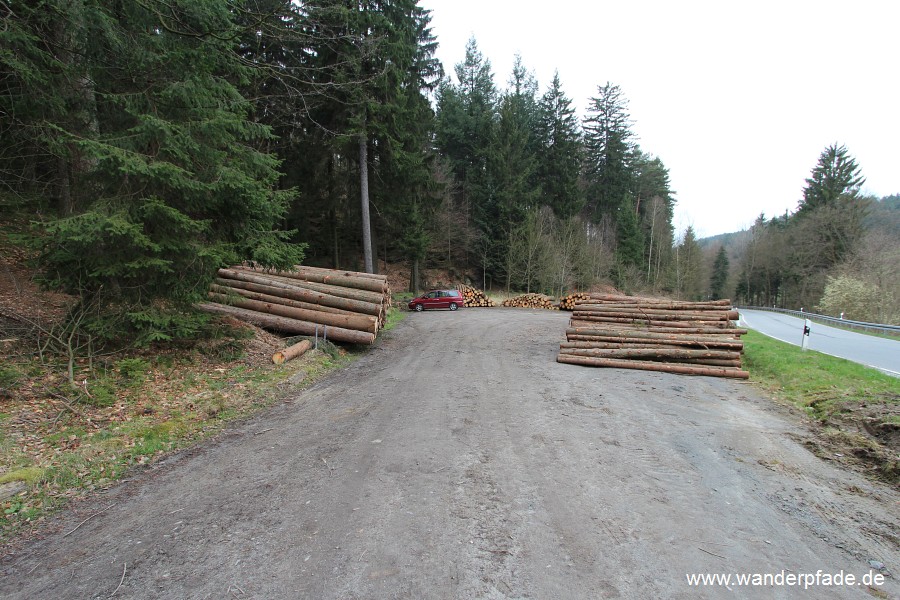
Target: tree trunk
x,y
653,366
364,199
295,293
358,322
242,288
375,288
653,353
414,276
288,325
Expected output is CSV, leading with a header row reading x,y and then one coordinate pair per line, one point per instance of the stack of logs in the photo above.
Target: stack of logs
x,y
568,301
473,297
342,306
693,338
531,301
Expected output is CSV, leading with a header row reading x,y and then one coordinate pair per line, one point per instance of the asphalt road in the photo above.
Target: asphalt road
x,y
869,350
458,460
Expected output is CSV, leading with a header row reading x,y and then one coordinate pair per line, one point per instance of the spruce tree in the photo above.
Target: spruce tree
x,y
609,147
561,152
835,176
719,277
466,114
178,184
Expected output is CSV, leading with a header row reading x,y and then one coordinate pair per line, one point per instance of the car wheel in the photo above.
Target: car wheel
x,y
453,306
419,308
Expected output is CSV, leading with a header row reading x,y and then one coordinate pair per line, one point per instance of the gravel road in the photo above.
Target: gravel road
x,y
457,459
876,352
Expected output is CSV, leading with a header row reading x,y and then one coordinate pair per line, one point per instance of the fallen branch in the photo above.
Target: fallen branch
x,y
88,519
124,569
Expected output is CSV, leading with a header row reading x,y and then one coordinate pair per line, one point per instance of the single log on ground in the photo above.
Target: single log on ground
x,y
296,293
366,323
287,325
291,352
653,366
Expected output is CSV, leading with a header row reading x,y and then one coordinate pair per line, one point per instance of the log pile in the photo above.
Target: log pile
x,y
626,332
344,306
473,297
568,301
531,301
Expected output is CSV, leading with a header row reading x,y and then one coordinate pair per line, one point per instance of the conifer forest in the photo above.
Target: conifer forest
x,y
151,142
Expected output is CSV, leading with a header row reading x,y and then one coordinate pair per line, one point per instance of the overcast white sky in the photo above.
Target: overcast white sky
x,y
737,98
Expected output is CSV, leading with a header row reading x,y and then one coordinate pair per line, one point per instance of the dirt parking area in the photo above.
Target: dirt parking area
x,y
457,459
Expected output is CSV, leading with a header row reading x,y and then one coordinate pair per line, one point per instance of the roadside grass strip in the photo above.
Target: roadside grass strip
x,y
858,406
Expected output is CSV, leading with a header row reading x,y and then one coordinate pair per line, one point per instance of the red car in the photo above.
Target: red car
x,y
451,299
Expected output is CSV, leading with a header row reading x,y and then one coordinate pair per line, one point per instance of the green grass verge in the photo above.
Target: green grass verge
x,y
814,381
858,407
149,420
394,316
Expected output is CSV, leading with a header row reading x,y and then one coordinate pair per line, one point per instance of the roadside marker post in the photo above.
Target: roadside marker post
x,y
804,344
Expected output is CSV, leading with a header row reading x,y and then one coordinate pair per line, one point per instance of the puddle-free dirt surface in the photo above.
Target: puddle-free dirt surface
x,y
458,460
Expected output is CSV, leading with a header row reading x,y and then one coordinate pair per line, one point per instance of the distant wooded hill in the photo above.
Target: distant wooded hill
x,y
883,215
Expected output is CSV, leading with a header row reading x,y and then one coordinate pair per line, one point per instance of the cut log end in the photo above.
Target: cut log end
x,y
291,352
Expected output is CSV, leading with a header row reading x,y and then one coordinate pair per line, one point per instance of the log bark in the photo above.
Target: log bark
x,y
726,331
661,315
291,352
228,286
295,293
614,345
325,288
612,298
653,366
651,322
718,344
287,325
366,323
650,335
343,272
716,305
653,353
341,279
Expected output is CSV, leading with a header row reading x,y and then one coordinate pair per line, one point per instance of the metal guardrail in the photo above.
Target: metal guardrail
x,y
873,327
